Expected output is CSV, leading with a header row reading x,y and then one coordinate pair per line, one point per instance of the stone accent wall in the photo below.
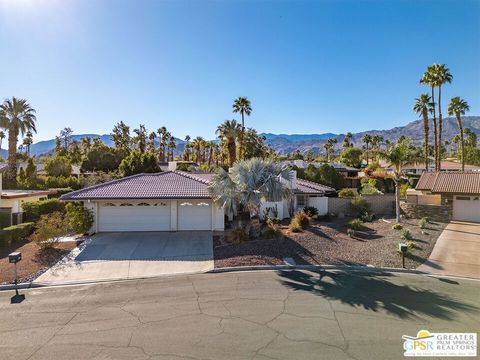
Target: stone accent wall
x,y
380,204
441,213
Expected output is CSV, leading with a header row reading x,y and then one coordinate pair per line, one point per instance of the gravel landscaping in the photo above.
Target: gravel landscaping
x,y
327,242
34,261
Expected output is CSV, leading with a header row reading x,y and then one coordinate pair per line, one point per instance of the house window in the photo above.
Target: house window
x,y
108,204
463,197
160,204
126,204
143,204
203,204
186,204
301,200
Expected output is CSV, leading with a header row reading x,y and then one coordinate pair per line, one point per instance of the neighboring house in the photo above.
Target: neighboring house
x,y
419,167
343,169
11,200
459,191
175,201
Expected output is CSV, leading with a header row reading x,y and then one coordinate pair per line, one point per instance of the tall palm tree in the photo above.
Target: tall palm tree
x,y
198,144
18,117
429,78
2,136
346,140
186,149
162,133
459,107
230,130
243,106
171,146
423,105
28,141
443,76
367,139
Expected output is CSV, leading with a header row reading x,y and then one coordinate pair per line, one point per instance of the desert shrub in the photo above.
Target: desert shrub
x,y
351,232
34,209
239,235
14,233
273,221
295,225
406,234
272,231
359,206
369,186
422,223
397,227
311,211
80,218
367,217
50,228
410,244
355,224
270,212
403,189
347,193
302,219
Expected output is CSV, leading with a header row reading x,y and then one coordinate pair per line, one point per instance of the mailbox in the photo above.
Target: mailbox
x,y
14,257
403,248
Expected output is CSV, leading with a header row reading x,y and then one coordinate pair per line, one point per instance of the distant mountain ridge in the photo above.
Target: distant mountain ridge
x,y
288,143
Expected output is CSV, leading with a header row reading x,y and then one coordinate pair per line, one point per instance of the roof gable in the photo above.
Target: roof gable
x,y
467,182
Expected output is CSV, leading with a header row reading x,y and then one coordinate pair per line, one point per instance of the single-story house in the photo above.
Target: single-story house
x,y
11,200
419,167
458,190
172,201
343,169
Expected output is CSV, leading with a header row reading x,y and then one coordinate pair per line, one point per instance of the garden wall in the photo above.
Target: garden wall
x,y
441,213
380,204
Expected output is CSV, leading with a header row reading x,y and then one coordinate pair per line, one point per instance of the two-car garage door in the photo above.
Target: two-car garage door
x,y
154,216
466,208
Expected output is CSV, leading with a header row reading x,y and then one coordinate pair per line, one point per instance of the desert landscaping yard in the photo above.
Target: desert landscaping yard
x,y
327,242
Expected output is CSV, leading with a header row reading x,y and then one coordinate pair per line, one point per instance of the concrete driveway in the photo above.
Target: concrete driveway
x,y
457,251
110,256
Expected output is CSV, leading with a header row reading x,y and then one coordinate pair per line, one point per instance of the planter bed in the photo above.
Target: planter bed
x,y
326,242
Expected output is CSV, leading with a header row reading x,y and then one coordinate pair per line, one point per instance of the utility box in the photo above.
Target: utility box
x,y
14,257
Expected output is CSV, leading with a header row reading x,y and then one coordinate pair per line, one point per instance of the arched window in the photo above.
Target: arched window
x,y
186,204
126,204
108,204
203,204
143,204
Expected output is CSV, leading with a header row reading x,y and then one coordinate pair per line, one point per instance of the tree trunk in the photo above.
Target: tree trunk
x,y
439,129
232,152
462,142
425,134
435,140
397,198
12,157
366,152
242,135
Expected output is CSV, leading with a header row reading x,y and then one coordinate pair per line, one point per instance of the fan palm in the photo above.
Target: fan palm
x,y
367,139
230,130
243,106
443,76
186,149
2,136
346,140
18,117
429,78
459,107
423,105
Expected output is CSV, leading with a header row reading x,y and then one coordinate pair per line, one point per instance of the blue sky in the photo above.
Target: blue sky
x,y
306,66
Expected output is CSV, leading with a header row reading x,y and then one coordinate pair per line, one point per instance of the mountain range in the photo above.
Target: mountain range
x,y
288,143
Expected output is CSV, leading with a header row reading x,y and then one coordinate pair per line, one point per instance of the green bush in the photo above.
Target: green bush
x,y
80,218
351,233
367,217
359,206
369,186
58,166
34,209
347,193
273,220
15,233
403,189
310,211
397,227
422,223
49,229
406,234
355,224
5,219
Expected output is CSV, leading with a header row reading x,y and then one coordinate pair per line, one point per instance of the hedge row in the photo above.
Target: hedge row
x,y
34,209
16,233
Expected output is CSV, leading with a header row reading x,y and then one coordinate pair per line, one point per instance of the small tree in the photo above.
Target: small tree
x,y
58,166
137,162
49,229
80,218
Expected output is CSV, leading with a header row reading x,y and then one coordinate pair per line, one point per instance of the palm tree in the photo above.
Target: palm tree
x,y
346,140
171,146
197,145
151,137
243,106
18,117
2,136
459,107
423,105
367,139
28,141
230,130
429,78
162,133
186,149
329,146
249,183
397,155
443,76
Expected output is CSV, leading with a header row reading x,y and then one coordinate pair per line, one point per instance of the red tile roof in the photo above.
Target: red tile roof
x,y
467,182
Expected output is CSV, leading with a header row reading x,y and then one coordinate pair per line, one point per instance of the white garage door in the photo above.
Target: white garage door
x,y
466,208
129,216
194,215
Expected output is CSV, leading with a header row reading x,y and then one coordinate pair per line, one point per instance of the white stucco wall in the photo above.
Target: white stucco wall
x,y
218,219
16,204
321,203
93,207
